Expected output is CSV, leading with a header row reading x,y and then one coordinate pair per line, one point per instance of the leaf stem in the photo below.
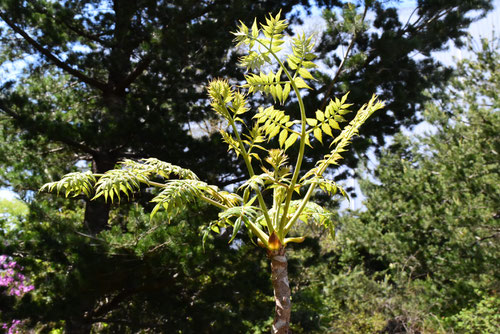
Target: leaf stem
x,y
257,231
244,154
300,157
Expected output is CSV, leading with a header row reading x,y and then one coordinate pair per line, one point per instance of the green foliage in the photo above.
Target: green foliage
x,y
73,184
126,180
12,211
177,193
270,225
144,266
152,167
344,139
423,256
431,220
368,46
481,318
331,298
103,83
55,114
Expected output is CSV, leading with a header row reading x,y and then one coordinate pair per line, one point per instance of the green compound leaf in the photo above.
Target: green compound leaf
x,y
117,181
177,194
73,184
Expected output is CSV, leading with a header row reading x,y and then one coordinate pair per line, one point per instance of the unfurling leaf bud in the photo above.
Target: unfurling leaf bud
x,y
274,242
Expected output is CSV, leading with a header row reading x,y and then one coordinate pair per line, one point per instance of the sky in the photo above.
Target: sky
x,y
485,27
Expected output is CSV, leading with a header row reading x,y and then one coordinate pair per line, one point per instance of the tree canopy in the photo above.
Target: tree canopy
x,y
389,55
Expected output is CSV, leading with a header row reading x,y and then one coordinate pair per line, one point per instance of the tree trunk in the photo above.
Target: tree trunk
x,y
97,212
96,216
279,277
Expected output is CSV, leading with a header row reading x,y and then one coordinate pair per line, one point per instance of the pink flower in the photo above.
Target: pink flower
x,y
15,282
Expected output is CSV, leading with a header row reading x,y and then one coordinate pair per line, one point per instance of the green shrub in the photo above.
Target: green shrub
x,y
481,318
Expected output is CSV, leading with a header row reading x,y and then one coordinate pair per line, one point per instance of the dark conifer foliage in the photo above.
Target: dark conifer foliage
x,y
115,79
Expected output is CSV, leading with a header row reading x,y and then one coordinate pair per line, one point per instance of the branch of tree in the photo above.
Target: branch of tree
x,y
231,181
120,297
76,30
126,322
45,52
418,25
139,69
35,126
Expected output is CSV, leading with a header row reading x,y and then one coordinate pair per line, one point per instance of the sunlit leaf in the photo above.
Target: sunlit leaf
x,y
311,121
305,74
318,134
326,129
291,140
320,116
300,83
282,137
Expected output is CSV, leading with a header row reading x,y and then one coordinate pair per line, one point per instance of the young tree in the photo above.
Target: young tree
x,y
270,222
102,81
153,58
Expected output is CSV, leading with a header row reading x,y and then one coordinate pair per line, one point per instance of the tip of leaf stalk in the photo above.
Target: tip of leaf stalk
x,y
274,242
297,240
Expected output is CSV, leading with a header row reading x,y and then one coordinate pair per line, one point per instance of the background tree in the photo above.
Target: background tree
x,y
431,226
109,79
147,277
105,80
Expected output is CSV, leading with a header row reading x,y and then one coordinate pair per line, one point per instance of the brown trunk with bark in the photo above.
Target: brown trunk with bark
x,y
96,216
114,101
279,277
97,211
